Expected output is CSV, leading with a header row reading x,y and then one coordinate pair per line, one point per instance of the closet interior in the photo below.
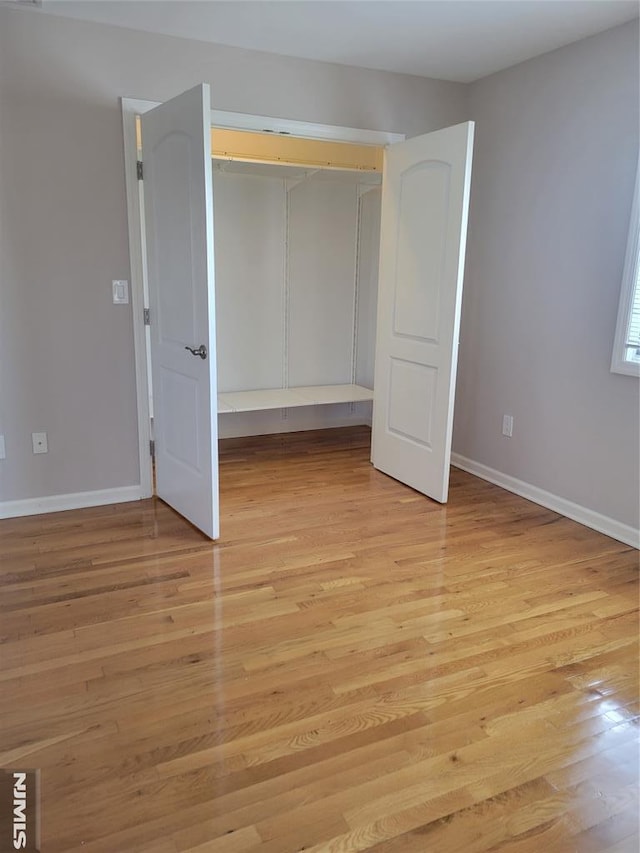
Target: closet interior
x,y
280,251
296,242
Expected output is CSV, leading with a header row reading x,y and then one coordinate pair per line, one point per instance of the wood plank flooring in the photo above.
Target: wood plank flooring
x,y
351,667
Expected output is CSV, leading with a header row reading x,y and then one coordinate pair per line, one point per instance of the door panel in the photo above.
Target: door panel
x,y
421,240
425,200
411,397
179,233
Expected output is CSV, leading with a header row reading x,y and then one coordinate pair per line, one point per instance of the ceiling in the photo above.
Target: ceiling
x,y
461,40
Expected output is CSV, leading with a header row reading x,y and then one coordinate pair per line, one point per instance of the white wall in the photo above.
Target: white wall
x,y
250,232
322,244
66,353
554,165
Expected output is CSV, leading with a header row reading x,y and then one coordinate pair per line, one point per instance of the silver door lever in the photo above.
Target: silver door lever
x,y
201,351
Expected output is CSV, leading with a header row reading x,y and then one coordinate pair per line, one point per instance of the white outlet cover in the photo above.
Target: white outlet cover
x,y
120,290
507,425
2,451
39,441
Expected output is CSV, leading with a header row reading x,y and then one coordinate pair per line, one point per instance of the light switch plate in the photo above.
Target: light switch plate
x,y
120,292
2,452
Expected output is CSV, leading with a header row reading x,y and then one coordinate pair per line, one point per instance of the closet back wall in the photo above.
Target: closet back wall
x,y
249,228
323,220
296,280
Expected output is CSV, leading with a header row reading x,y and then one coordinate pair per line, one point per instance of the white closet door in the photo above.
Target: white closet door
x,y
178,196
425,199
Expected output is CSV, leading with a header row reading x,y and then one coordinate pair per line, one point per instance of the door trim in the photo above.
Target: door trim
x,y
132,107
137,270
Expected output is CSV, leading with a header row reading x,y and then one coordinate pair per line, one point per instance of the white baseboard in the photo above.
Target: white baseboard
x,y
78,500
602,523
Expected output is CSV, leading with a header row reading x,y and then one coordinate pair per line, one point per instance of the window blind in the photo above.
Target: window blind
x,y
632,343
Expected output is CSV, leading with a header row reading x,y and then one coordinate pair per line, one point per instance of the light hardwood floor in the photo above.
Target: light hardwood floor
x,y
352,667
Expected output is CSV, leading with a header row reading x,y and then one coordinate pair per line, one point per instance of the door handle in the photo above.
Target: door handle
x,y
201,351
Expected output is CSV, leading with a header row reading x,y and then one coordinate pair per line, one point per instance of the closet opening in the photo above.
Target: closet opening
x,y
296,242
264,263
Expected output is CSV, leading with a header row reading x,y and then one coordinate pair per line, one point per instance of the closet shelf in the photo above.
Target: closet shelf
x,y
285,398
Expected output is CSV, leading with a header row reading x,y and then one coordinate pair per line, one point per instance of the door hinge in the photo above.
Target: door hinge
x,y
152,449
146,313
139,170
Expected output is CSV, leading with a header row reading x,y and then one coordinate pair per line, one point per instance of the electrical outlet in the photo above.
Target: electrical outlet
x,y
120,289
507,425
39,441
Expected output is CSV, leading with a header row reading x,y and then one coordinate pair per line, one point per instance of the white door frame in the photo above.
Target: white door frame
x,y
132,107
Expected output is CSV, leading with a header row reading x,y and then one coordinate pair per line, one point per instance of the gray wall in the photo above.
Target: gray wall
x,y
66,353
554,166
556,141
